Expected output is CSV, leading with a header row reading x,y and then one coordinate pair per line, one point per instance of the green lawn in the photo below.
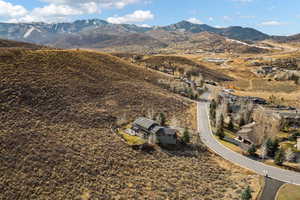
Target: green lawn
x,y
131,140
289,192
229,134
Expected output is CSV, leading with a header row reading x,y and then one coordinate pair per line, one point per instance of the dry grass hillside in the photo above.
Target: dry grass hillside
x,y
56,108
211,42
134,42
179,61
14,44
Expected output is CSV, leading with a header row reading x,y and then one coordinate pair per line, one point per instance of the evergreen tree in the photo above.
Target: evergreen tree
x,y
162,119
252,150
222,122
279,157
186,136
275,146
220,133
231,125
213,107
272,147
269,145
242,122
246,195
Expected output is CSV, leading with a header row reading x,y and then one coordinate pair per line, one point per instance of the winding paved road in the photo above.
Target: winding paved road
x,y
255,166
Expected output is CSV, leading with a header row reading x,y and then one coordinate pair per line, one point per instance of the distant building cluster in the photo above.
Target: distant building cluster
x,y
256,118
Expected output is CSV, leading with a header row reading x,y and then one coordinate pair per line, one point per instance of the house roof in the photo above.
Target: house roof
x,y
144,122
251,125
166,131
247,131
156,129
169,131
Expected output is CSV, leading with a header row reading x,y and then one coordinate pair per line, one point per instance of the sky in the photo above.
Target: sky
x,y
275,17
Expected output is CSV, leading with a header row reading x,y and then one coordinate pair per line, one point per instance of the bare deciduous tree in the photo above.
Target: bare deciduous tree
x,y
121,120
290,155
263,151
151,113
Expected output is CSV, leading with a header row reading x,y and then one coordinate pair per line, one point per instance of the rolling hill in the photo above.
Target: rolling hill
x,y
56,111
15,44
207,73
292,40
207,41
133,42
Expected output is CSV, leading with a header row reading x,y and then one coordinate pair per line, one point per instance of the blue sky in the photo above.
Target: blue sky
x,y
277,17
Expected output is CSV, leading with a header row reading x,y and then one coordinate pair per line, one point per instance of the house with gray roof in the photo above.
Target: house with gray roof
x,y
150,130
246,133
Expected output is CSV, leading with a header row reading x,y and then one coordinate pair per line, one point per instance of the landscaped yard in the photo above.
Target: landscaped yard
x,y
131,140
289,192
231,146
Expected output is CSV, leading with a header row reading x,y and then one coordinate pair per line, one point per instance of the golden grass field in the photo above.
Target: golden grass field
x,y
289,192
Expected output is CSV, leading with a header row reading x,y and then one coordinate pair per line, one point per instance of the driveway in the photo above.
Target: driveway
x,y
270,189
238,159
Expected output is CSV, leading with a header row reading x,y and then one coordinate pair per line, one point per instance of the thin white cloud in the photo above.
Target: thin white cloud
x,y
9,10
247,16
59,10
272,23
56,10
227,18
100,3
144,25
195,20
136,16
50,13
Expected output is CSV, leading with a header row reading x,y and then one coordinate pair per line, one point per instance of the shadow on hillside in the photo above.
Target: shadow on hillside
x,y
184,150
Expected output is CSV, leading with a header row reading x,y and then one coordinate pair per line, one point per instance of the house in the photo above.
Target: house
x,y
290,118
246,133
153,132
287,116
218,61
226,94
265,70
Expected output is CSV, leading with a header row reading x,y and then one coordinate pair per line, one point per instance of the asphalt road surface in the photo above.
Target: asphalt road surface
x,y
270,189
236,158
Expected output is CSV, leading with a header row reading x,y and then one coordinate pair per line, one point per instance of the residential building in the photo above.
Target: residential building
x,y
153,132
246,134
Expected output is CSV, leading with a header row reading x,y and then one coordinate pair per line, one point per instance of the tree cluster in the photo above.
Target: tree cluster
x,y
212,110
272,147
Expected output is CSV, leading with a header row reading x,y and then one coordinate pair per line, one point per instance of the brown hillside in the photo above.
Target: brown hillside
x,y
129,42
216,43
185,62
56,109
11,44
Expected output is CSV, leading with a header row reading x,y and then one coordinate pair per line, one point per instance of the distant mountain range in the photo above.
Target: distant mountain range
x,y
100,34
233,32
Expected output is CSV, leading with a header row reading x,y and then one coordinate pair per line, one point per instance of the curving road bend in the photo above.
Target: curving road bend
x,y
236,158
